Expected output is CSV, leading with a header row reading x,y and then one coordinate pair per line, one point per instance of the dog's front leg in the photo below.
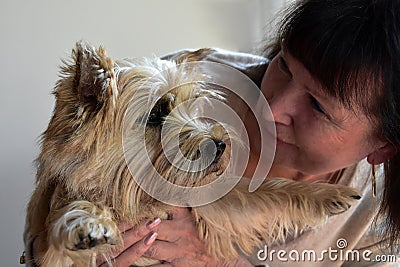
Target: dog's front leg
x,y
279,208
79,232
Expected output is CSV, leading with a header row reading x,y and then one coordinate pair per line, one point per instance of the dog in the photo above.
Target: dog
x,y
86,185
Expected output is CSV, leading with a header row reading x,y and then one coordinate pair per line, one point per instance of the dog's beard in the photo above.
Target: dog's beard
x,y
176,151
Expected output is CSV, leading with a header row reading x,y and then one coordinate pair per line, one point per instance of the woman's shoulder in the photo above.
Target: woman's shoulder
x,y
254,66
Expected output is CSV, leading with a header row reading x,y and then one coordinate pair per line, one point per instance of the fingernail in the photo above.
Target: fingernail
x,y
150,238
153,224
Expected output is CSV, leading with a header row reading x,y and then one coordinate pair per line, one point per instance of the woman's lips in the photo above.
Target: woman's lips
x,y
279,141
282,138
268,131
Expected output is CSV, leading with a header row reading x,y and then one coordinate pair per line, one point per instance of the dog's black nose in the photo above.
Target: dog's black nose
x,y
220,145
212,149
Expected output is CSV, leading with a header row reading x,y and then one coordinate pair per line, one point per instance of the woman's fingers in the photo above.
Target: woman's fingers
x,y
169,231
178,243
134,252
181,220
136,241
137,233
161,250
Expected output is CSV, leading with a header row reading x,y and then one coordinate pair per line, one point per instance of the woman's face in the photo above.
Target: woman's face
x,y
315,133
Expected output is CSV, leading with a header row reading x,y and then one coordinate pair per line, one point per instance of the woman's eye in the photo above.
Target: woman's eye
x,y
283,66
317,106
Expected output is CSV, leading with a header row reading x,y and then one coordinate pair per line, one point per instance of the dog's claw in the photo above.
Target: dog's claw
x,y
341,202
93,234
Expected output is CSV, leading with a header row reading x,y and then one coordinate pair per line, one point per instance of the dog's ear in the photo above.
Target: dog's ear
x,y
91,76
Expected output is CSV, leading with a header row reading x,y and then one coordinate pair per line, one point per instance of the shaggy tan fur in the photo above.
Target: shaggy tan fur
x,y
85,189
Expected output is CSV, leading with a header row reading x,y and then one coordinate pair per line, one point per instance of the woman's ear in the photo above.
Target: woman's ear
x,y
383,154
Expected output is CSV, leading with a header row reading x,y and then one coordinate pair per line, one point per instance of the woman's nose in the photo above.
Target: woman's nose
x,y
283,105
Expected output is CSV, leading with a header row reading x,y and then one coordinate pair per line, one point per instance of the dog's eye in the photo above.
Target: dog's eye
x,y
158,114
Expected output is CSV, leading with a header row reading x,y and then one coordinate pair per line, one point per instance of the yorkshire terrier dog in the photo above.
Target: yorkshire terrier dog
x,y
86,185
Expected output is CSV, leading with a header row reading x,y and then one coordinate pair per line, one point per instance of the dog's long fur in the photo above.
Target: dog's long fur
x,y
84,187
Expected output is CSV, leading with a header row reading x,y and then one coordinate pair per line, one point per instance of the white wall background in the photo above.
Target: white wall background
x,y
35,35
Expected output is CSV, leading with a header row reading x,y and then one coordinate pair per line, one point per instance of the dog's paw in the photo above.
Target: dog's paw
x,y
84,225
93,232
338,199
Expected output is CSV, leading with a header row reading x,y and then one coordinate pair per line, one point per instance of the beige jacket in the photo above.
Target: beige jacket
x,y
347,239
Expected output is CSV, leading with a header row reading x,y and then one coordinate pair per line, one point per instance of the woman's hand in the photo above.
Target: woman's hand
x,y
178,244
137,240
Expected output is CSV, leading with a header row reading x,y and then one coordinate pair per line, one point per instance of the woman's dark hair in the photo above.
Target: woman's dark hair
x,y
353,48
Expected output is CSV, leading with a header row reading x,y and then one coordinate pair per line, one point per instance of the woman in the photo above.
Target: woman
x,y
334,89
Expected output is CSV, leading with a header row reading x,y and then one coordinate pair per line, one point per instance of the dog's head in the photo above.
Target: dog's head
x,y
143,115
